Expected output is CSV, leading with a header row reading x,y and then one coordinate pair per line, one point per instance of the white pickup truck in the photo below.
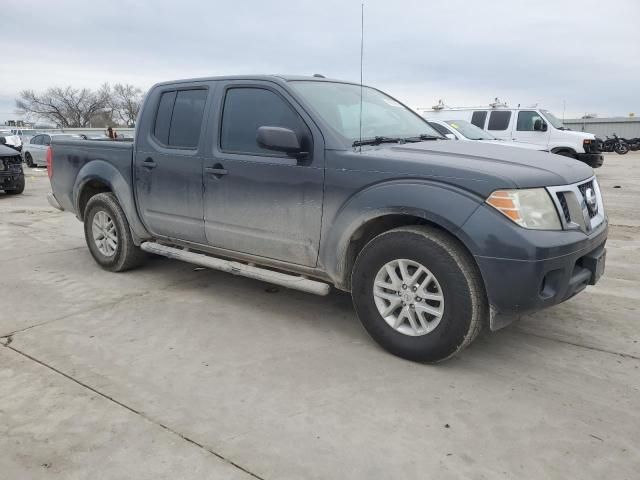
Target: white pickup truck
x,y
527,125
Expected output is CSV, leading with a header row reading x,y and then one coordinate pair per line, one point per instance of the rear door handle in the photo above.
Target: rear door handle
x,y
149,163
217,170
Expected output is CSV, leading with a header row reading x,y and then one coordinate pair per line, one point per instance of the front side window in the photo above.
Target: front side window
x,y
247,109
527,120
478,118
46,140
37,140
499,120
339,105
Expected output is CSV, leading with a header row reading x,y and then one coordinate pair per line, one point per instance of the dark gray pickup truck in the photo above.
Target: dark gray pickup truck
x,y
307,182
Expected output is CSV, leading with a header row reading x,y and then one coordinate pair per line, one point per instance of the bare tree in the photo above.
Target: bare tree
x,y
126,101
66,107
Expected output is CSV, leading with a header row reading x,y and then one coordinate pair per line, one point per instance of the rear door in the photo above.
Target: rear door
x,y
257,201
168,162
39,152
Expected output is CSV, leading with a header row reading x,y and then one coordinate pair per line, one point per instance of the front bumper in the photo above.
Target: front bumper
x,y
516,287
594,160
9,180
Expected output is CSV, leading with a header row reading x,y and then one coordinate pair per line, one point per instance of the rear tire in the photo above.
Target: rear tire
x,y
108,236
18,189
455,278
621,148
28,160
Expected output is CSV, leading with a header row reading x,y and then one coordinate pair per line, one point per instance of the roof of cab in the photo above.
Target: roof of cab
x,y
271,78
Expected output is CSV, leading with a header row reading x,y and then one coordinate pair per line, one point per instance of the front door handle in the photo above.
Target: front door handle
x,y
217,170
149,163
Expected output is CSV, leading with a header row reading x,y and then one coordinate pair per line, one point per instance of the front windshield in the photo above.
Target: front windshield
x,y
339,105
469,130
551,118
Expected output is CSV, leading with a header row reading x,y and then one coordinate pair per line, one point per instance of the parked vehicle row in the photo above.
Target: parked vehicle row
x,y
465,131
525,125
308,182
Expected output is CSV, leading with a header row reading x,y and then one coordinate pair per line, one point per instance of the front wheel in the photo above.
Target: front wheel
x,y
107,234
418,293
621,148
29,160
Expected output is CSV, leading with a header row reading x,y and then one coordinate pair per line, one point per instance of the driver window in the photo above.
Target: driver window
x,y
527,120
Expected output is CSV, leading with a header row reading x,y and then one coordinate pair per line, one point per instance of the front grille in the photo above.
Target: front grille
x,y
592,209
579,205
565,207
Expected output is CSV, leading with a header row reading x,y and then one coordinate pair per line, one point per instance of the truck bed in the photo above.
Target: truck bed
x,y
113,158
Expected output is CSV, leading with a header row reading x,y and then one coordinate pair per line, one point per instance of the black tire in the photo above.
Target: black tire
x,y
18,189
465,304
127,255
28,160
621,148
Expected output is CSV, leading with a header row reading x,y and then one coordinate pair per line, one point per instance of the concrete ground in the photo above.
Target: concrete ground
x,y
172,372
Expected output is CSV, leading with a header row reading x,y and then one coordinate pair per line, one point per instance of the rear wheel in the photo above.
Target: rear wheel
x,y
29,160
107,234
621,148
418,293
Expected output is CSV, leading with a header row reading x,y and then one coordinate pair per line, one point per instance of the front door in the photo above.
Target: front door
x,y
257,201
525,129
168,164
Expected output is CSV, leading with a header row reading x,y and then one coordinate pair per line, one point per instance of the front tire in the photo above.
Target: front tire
x,y
108,236
418,293
28,160
621,148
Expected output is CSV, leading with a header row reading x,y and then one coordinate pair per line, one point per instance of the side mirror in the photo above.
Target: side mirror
x,y
540,125
279,139
450,136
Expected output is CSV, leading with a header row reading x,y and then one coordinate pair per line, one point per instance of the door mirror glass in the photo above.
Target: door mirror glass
x,y
279,139
540,125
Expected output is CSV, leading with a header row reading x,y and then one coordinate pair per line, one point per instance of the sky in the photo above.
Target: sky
x,y
582,56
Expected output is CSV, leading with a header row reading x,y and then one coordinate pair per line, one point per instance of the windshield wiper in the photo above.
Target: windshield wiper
x,y
377,141
422,137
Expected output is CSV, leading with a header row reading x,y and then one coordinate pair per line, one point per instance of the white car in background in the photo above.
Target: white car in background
x,y
465,131
35,151
10,139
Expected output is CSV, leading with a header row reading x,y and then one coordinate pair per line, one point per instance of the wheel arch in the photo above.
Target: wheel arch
x,y
361,221
99,176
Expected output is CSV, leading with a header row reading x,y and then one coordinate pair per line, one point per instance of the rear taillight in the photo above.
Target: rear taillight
x,y
49,162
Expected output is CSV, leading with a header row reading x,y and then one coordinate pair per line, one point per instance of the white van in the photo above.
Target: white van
x,y
528,125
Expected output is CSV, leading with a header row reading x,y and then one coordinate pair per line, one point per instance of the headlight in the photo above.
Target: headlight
x,y
529,208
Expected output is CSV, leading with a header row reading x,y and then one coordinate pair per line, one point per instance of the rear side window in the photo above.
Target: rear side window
x,y
246,110
46,140
439,128
527,120
186,121
163,117
499,120
478,119
37,140
179,118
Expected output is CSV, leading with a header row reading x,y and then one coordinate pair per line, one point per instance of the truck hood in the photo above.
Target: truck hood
x,y
477,166
506,143
577,135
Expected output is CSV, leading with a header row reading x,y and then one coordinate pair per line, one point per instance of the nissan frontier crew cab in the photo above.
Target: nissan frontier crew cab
x,y
311,183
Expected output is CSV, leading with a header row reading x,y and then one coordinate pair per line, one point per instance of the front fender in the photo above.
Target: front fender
x,y
442,204
104,172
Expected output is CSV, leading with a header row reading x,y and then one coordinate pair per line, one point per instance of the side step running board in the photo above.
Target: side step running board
x,y
237,268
